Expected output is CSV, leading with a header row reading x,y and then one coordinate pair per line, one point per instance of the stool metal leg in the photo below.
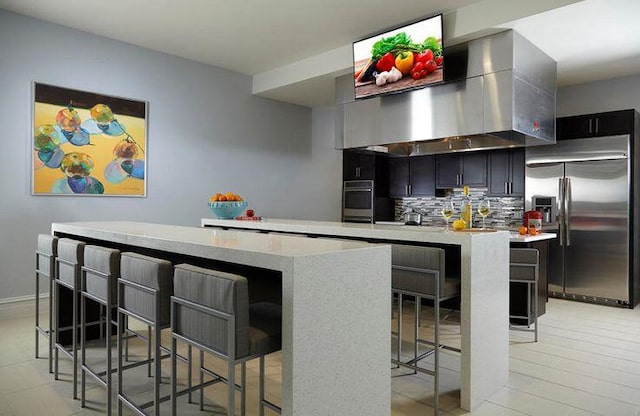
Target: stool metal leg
x,y
243,379
399,352
74,343
231,390
262,385
83,348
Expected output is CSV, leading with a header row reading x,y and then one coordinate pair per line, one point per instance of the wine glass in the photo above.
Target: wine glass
x,y
447,212
484,208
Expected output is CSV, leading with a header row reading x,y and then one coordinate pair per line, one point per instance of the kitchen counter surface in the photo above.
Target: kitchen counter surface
x,y
335,294
387,231
484,301
514,237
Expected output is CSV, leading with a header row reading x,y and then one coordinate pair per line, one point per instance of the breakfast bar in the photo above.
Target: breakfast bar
x,y
484,272
326,367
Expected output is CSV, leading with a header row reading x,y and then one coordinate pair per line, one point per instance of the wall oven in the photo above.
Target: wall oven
x,y
358,201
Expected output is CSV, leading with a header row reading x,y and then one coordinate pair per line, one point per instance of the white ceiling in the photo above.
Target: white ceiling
x,y
590,39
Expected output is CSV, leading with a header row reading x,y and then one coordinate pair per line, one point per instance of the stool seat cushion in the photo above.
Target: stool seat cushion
x,y
223,292
47,244
70,255
152,273
106,261
265,331
423,285
47,250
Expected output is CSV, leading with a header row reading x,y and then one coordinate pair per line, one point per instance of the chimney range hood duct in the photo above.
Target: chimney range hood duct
x,y
500,92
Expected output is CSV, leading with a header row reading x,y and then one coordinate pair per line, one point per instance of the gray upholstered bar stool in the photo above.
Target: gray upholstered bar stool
x,y
46,252
210,310
420,272
68,266
145,287
524,268
98,283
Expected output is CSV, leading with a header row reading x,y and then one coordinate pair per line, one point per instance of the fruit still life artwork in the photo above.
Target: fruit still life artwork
x,y
86,143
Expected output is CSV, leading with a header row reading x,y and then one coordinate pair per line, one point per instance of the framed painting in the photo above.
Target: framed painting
x,y
88,144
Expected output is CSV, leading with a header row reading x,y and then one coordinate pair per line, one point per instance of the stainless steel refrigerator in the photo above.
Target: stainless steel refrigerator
x,y
583,189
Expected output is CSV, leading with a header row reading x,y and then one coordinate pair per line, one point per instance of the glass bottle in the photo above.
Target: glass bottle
x,y
466,212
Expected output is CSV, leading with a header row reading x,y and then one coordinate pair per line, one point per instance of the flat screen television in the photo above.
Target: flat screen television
x,y
405,58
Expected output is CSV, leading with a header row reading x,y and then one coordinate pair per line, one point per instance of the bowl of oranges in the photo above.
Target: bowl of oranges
x,y
227,205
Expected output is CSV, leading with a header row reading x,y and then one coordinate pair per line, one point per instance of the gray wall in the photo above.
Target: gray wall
x,y
206,134
595,97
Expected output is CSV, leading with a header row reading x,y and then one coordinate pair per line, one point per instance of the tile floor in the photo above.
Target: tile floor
x,y
587,362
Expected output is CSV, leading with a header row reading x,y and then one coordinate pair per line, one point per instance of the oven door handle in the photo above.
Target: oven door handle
x,y
359,190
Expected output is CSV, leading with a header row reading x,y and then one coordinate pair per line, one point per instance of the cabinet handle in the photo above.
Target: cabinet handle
x,y
510,188
457,179
461,180
597,125
409,186
406,189
506,187
590,125
357,172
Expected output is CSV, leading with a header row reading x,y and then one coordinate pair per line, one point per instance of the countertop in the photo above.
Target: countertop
x,y
484,286
320,280
383,230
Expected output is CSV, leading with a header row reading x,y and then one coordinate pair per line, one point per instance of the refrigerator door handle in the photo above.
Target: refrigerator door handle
x,y
567,210
561,211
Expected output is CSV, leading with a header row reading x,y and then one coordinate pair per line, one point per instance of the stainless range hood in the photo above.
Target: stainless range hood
x,y
500,92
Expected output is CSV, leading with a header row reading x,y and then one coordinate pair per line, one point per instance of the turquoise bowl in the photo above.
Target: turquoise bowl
x,y
228,209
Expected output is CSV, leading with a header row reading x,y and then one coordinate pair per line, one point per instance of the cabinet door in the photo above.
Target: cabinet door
x,y
517,172
398,177
357,165
609,124
499,172
575,127
422,172
447,171
474,169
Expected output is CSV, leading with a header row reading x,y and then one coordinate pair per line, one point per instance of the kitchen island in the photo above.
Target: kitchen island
x,y
484,272
335,352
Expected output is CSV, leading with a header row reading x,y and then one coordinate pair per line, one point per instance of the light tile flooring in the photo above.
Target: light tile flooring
x,y
587,362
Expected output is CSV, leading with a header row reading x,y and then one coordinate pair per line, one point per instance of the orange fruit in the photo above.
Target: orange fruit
x,y
230,196
222,198
533,231
523,230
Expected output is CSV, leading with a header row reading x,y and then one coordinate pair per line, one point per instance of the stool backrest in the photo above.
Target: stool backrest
x,y
523,264
225,293
101,265
154,274
46,251
415,268
70,259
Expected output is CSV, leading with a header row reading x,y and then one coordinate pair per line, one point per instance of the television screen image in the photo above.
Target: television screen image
x,y
406,58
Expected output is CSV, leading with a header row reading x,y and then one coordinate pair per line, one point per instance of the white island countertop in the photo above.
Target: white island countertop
x,y
336,305
484,274
391,230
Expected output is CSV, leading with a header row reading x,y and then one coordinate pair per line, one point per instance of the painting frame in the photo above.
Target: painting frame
x,y
86,143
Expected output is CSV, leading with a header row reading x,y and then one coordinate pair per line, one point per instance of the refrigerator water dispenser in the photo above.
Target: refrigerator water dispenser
x,y
546,205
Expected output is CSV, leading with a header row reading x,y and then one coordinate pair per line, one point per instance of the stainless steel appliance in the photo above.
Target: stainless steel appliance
x,y
358,201
500,92
582,187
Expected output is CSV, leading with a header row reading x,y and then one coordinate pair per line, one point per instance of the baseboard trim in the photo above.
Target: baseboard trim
x,y
22,298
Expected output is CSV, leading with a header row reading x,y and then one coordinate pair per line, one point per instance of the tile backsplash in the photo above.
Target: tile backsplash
x,y
506,212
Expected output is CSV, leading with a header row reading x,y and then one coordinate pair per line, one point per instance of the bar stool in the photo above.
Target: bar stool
x,y
420,272
46,252
68,266
210,310
524,268
145,287
99,280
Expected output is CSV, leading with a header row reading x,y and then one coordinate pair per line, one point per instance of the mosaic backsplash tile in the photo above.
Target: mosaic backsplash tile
x,y
506,212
